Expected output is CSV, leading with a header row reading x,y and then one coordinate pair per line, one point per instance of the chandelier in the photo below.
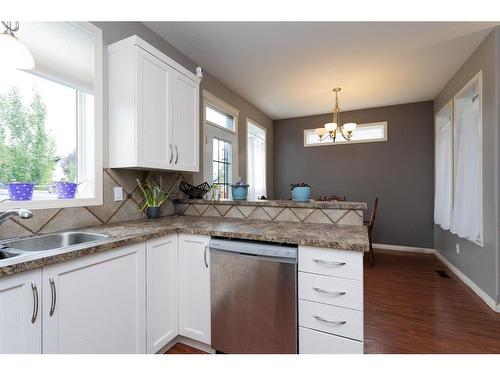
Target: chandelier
x,y
14,53
335,126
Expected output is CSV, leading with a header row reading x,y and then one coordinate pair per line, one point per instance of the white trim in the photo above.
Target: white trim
x,y
135,40
349,142
473,286
97,141
407,249
486,298
220,104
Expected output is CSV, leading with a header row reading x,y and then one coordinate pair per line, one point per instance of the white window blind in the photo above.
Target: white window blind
x,y
256,156
444,172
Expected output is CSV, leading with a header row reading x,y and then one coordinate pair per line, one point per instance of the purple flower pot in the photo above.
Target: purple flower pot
x,y
66,190
21,191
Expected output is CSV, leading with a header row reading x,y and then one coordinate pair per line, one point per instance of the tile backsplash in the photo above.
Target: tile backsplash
x,y
52,220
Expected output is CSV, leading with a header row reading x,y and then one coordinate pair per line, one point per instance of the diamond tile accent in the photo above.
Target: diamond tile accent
x,y
39,219
127,211
10,229
69,218
180,208
246,210
259,214
286,215
211,211
335,215
109,206
318,217
222,209
351,218
273,211
302,213
235,213
190,211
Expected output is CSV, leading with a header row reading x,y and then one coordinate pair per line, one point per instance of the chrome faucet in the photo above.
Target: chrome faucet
x,y
20,212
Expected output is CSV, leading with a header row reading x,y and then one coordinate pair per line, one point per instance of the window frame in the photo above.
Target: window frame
x,y
95,134
255,123
384,123
232,136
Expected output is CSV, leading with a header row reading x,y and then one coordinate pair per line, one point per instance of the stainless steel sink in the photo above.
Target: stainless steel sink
x,y
47,242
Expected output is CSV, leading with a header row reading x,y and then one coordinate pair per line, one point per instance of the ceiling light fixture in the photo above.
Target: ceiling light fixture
x,y
346,130
14,53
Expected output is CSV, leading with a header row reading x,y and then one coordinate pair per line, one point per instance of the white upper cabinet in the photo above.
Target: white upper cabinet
x,y
20,313
153,109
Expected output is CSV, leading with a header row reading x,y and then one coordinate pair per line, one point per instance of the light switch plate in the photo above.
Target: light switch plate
x,y
118,193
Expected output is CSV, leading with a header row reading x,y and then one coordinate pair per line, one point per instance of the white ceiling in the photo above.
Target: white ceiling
x,y
288,69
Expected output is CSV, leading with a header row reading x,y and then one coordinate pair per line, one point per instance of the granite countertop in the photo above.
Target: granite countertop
x,y
343,237
340,205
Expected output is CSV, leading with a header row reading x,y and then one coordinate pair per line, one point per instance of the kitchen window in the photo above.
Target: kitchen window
x,y
50,119
371,132
221,143
256,160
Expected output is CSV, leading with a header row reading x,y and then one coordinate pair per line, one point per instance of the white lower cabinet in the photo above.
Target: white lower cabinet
x,y
20,320
194,287
162,291
316,342
96,304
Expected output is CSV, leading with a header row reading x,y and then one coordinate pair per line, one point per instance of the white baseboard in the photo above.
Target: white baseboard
x,y
486,298
408,249
422,250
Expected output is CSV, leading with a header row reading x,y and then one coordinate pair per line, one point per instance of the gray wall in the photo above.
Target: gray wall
x,y
114,31
480,264
399,171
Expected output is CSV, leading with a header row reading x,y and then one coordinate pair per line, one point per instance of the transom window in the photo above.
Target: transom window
x,y
217,117
372,132
50,119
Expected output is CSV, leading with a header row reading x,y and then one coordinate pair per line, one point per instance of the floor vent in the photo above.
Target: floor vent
x,y
442,274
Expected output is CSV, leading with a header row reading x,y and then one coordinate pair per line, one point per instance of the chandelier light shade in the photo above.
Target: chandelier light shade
x,y
335,126
14,53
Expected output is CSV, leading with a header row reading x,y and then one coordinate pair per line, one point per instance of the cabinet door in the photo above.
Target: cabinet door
x,y
154,112
96,304
162,292
20,320
186,125
194,287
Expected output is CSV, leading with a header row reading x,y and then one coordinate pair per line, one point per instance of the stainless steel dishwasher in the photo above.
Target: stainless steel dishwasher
x,y
253,289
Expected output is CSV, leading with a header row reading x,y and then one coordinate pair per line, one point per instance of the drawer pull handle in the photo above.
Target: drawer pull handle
x,y
322,291
328,263
34,315
53,296
334,322
171,154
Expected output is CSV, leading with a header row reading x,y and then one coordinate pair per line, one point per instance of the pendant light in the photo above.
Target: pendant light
x,y
14,53
346,130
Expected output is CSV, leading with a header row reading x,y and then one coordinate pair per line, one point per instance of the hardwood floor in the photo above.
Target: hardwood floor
x,y
409,308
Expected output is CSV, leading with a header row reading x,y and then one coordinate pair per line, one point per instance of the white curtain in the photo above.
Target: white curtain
x,y
467,199
256,164
444,177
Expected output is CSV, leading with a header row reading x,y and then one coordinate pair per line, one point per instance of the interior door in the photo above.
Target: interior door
x,y
20,313
186,125
154,112
96,304
162,292
194,288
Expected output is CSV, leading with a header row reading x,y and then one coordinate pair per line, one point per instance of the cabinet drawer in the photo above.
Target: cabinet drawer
x,y
331,319
331,290
314,342
330,262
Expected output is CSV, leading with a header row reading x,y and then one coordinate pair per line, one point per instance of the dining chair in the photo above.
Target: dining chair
x,y
370,224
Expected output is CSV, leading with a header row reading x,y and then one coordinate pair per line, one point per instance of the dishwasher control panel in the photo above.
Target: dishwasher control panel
x,y
254,248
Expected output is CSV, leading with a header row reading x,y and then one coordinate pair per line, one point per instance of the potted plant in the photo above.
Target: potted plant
x,y
239,190
154,195
301,192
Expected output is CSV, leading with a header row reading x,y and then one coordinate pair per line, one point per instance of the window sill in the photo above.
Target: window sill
x,y
53,203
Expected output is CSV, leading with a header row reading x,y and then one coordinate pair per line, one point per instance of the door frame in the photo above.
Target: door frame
x,y
249,119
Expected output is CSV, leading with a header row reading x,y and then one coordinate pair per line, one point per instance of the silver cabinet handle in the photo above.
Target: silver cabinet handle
x,y
34,289
323,291
334,322
205,256
171,154
52,297
176,154
328,263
